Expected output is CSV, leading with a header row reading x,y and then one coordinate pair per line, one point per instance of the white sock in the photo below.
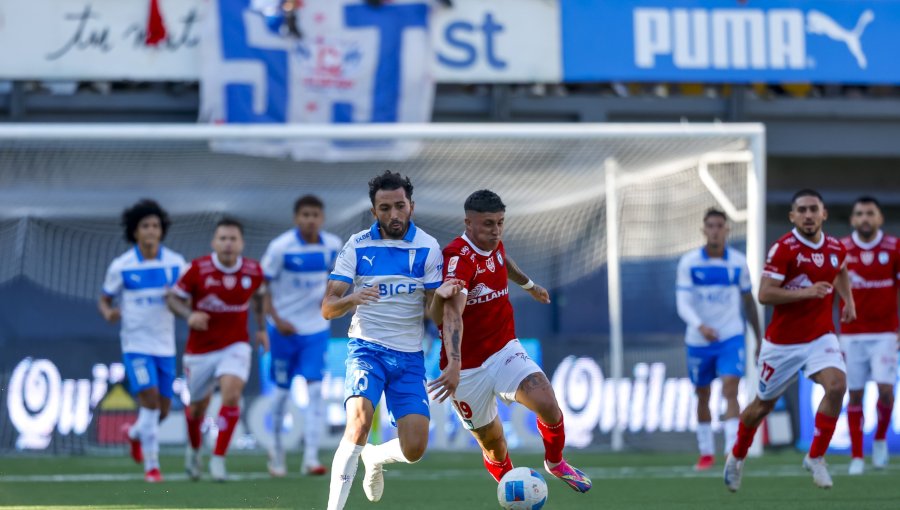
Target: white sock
x,y
148,430
731,430
705,439
343,470
312,424
388,453
279,409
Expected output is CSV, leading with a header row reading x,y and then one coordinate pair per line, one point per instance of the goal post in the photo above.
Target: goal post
x,y
587,205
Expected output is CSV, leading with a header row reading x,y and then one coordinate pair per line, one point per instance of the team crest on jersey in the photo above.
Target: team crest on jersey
x,y
818,259
884,258
246,282
499,258
834,260
867,257
490,265
228,281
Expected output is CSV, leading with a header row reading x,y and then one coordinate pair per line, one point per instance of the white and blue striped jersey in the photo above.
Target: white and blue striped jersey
x,y
297,272
401,270
148,327
709,292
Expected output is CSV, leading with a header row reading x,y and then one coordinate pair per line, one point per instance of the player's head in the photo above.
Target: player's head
x,y
228,240
309,214
866,217
145,223
715,227
808,212
484,219
392,203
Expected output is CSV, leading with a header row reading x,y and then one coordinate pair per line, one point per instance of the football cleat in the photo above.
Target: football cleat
x,y
136,452
373,483
277,466
153,476
704,463
573,477
192,463
879,454
819,470
734,468
314,469
857,467
217,468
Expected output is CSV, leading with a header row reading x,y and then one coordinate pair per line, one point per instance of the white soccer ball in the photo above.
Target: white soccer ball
x,y
522,489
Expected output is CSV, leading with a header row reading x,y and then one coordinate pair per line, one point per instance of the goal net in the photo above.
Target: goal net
x,y
611,340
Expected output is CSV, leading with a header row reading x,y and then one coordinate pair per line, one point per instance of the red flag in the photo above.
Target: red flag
x,y
156,26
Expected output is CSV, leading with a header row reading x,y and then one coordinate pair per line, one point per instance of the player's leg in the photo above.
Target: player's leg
x,y
407,405
494,451
856,357
730,368
312,367
363,386
701,363
884,373
158,397
825,364
283,351
232,373
142,377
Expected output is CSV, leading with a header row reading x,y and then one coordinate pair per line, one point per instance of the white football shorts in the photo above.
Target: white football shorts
x,y
203,370
870,356
499,376
778,364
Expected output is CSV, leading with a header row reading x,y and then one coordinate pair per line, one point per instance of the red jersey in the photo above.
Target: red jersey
x,y
488,323
223,293
800,264
875,277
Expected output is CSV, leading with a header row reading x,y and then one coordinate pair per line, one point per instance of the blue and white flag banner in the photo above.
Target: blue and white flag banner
x,y
826,41
353,64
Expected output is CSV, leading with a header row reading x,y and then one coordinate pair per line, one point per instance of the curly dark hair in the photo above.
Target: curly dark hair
x,y
390,181
484,201
132,217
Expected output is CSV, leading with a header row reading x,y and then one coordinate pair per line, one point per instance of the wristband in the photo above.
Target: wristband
x,y
527,285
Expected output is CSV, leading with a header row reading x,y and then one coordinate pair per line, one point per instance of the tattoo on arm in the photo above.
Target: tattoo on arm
x,y
455,342
515,273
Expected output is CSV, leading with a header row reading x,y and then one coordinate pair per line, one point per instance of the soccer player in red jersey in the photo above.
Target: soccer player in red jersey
x,y
870,342
803,270
214,296
492,363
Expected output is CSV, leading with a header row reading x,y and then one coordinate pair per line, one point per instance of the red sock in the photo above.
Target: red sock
x,y
554,437
822,436
884,419
228,418
497,469
744,439
193,428
855,422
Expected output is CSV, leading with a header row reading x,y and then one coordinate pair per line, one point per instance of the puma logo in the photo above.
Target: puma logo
x,y
370,260
820,23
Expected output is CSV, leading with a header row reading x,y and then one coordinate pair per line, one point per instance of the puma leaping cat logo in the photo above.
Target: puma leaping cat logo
x,y
820,23
370,260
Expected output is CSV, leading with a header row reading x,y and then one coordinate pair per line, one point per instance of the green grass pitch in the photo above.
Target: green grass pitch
x,y
444,481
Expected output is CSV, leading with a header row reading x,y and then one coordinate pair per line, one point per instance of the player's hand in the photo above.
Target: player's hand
x,y
820,290
113,315
198,321
848,314
262,340
450,288
364,296
445,386
539,294
284,327
708,333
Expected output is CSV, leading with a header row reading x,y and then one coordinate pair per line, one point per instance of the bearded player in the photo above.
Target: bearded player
x,y
870,342
802,272
493,363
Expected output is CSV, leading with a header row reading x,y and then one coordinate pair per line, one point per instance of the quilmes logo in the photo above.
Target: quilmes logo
x,y
740,38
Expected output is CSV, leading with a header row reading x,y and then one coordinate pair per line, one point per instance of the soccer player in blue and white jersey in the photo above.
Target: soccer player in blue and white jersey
x,y
714,298
296,265
135,292
396,270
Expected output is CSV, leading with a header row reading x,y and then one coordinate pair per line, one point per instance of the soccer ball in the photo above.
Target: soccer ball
x,y
522,489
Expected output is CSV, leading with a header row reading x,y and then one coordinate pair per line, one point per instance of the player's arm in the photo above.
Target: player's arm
x,y
752,316
843,287
771,292
684,303
108,309
445,385
519,277
181,306
336,304
284,327
435,298
258,302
